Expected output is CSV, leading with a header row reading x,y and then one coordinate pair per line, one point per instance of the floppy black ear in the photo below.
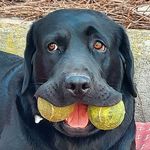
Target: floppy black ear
x,y
29,50
128,62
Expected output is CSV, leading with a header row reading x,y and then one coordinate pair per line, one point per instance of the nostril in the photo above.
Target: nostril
x,y
72,86
85,86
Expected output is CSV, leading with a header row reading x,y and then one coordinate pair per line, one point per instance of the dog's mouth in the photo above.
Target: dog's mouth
x,y
79,117
66,129
77,123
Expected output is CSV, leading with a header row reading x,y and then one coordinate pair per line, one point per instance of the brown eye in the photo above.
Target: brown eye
x,y
99,46
52,47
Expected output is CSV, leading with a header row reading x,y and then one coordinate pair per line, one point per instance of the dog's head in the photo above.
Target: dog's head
x,y
78,56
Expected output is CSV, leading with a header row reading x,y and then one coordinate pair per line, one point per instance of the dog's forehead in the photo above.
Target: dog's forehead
x,y
74,18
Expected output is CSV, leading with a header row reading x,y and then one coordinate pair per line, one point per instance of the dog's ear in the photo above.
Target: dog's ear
x,y
128,63
29,50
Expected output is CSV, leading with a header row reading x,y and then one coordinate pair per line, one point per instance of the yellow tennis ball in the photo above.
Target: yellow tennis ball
x,y
107,118
53,113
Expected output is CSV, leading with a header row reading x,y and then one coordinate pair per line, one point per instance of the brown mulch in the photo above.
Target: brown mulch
x,y
123,11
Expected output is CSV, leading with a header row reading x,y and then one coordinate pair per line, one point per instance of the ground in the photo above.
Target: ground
x,y
130,13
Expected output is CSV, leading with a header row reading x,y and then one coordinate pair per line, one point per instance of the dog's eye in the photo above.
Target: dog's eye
x,y
99,46
52,47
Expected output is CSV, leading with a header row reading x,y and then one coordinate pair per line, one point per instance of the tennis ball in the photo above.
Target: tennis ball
x,y
107,118
53,113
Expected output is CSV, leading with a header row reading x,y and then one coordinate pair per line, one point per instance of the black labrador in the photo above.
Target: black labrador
x,y
71,56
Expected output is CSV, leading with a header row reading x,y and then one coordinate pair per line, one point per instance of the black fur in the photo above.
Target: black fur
x,y
44,74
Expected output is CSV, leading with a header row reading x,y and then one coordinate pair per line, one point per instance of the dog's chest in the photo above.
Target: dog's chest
x,y
12,138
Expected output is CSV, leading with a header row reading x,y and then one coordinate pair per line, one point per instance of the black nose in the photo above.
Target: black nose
x,y
77,85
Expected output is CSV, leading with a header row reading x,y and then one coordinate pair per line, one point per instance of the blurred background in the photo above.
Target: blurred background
x,y
130,13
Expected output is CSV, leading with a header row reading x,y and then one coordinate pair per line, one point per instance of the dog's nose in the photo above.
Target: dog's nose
x,y
78,85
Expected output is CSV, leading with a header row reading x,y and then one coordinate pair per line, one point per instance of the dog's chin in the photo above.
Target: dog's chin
x,y
67,130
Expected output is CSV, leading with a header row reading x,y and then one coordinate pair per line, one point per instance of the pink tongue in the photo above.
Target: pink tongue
x,y
79,117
